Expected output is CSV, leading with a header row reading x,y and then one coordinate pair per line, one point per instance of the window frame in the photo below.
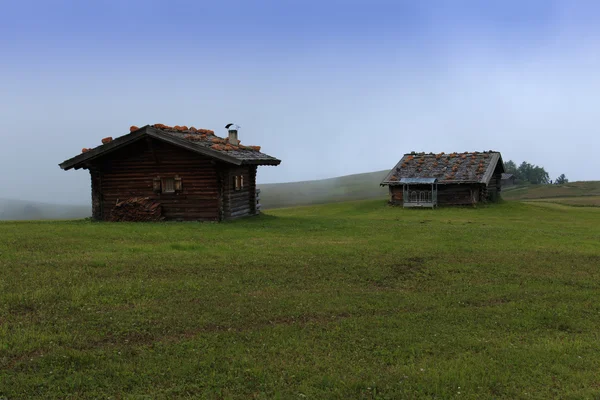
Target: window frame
x,y
164,185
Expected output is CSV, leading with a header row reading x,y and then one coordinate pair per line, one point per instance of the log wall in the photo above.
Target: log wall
x,y
396,195
242,202
495,186
458,194
130,172
96,194
448,194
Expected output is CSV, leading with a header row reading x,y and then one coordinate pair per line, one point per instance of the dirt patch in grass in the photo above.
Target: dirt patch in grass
x,y
400,270
21,309
491,302
9,363
409,266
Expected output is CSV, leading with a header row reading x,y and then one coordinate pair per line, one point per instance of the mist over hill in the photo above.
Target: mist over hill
x,y
278,195
343,188
273,195
12,209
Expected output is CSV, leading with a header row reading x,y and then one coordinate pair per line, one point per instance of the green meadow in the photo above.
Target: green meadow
x,y
583,193
344,300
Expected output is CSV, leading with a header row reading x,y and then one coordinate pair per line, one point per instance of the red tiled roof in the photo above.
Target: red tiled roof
x,y
203,141
205,136
447,168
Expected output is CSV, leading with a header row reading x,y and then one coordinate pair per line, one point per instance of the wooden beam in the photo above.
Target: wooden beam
x,y
117,143
152,150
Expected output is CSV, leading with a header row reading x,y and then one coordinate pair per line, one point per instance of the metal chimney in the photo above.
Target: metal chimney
x,y
233,134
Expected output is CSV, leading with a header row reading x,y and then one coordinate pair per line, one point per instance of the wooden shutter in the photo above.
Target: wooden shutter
x,y
178,185
156,184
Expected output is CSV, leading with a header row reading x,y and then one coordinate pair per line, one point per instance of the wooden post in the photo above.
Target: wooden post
x,y
96,194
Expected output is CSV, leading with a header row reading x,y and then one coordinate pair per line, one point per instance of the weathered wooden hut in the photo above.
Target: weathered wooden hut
x,y
508,180
428,180
176,173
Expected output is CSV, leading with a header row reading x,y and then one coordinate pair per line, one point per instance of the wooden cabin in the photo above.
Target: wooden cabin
x,y
176,173
428,180
508,180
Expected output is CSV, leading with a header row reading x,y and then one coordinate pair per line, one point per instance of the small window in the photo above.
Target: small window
x,y
168,185
239,182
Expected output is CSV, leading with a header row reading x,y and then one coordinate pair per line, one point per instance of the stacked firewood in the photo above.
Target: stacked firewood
x,y
136,209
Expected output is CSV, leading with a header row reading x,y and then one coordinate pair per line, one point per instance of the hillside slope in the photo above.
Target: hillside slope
x,y
11,209
343,188
571,189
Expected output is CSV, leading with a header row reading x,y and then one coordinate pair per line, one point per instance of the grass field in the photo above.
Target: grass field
x,y
346,300
584,193
582,201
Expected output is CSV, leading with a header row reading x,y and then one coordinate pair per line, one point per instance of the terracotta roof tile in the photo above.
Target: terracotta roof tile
x,y
447,168
207,138
202,138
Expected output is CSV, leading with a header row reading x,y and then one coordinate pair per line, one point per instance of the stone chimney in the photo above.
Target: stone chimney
x,y
233,134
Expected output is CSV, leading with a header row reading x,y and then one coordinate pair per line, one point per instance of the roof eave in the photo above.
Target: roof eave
x,y
491,168
386,180
77,161
269,161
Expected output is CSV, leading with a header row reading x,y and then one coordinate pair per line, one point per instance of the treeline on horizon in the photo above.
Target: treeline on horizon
x,y
533,174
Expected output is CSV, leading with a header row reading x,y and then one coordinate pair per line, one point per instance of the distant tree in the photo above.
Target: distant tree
x,y
561,180
532,173
524,171
539,176
511,168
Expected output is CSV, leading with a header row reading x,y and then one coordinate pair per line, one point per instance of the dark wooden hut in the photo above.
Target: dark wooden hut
x,y
176,173
460,179
508,180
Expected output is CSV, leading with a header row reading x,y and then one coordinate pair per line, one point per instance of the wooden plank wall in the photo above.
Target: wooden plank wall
x,y
96,194
458,194
452,194
129,172
239,203
396,194
495,186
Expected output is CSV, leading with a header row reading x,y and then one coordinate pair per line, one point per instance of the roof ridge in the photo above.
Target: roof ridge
x,y
422,153
226,152
447,168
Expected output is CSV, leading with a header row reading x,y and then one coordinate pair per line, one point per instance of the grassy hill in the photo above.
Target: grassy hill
x,y
345,300
572,193
275,195
343,188
31,210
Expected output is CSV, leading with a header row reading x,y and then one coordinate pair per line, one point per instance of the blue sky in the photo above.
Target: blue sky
x,y
330,87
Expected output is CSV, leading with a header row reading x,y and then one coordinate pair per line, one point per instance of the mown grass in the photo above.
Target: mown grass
x,y
587,190
582,201
347,300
